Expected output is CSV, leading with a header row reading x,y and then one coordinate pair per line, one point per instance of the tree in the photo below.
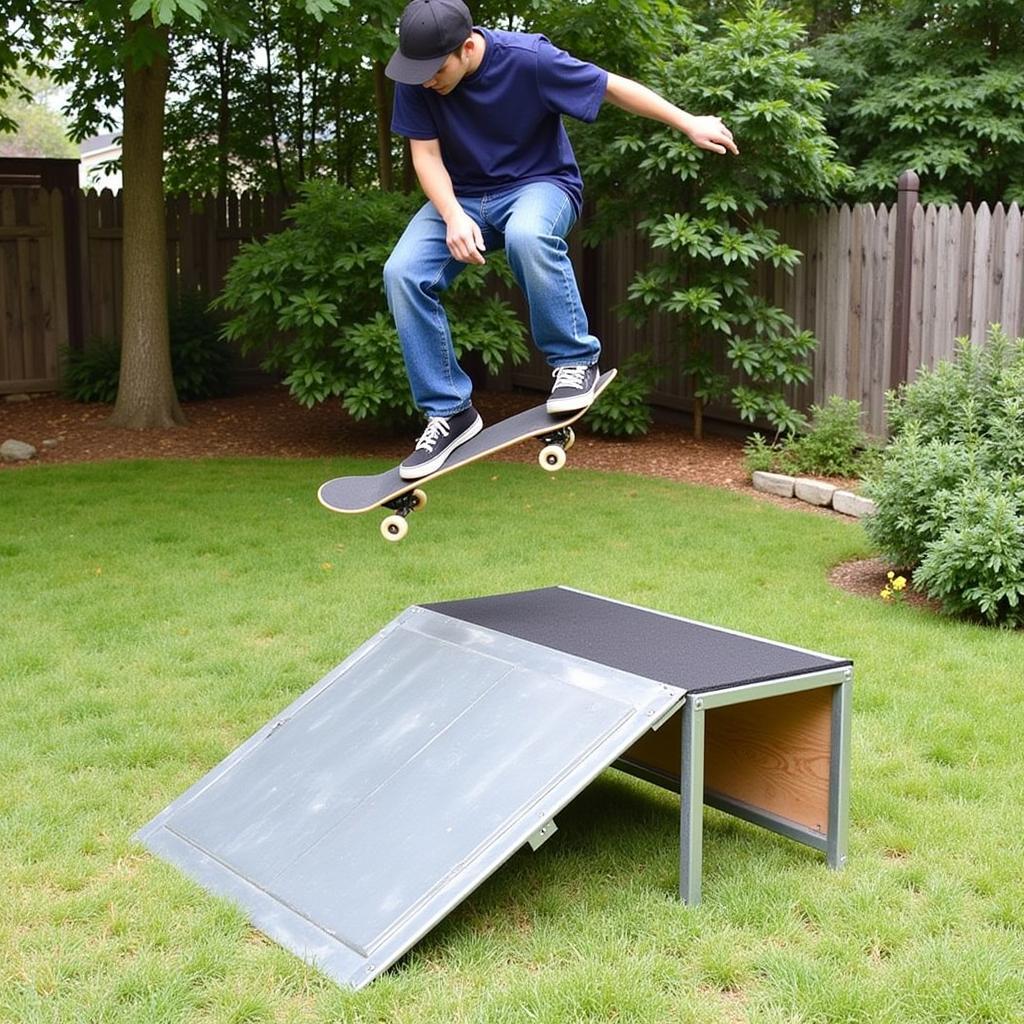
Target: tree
x,y
294,100
145,396
823,16
936,87
41,130
120,54
145,393
701,211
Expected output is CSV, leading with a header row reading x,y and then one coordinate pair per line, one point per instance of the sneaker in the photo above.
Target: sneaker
x,y
442,436
573,389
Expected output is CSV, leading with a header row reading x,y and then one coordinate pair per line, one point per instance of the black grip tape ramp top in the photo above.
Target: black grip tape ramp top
x,y
690,655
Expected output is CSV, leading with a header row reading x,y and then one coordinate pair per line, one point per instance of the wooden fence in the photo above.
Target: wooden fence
x,y
33,287
42,310
965,270
885,289
203,237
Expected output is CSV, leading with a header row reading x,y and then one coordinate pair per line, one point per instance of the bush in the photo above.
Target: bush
x,y
950,486
976,565
834,443
91,374
702,213
759,456
831,444
906,489
200,360
624,407
313,298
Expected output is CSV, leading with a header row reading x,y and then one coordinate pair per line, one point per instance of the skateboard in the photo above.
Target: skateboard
x,y
354,494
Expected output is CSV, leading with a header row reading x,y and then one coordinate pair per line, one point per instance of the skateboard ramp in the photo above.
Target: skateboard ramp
x,y
362,814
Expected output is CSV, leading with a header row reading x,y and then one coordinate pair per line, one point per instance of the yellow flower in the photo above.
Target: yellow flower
x,y
886,594
899,583
890,574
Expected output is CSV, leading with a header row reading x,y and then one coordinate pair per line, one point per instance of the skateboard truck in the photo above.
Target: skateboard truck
x,y
552,458
395,527
556,444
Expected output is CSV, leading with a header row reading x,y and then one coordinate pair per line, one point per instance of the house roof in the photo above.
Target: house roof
x,y
98,142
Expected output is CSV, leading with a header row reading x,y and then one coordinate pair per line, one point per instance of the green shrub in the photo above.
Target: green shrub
x,y
834,443
908,489
831,444
760,456
624,407
91,374
200,360
312,298
702,213
976,564
950,486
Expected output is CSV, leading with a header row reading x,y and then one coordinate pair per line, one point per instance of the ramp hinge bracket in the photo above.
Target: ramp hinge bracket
x,y
543,834
667,714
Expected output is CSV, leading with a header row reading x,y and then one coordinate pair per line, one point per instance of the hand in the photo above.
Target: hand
x,y
708,132
464,239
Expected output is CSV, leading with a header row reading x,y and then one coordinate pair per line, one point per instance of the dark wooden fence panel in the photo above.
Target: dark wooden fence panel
x,y
204,235
33,288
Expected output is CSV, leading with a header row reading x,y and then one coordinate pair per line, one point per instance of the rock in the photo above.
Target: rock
x,y
851,504
774,483
50,443
18,398
16,451
814,492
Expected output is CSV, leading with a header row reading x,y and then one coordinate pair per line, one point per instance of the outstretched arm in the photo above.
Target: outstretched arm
x,y
708,132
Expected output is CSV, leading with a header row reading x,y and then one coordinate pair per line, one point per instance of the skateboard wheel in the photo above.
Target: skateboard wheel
x,y
552,458
420,498
394,528
570,438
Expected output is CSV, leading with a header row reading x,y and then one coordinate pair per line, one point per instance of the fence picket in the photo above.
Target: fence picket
x,y
981,269
1011,313
996,265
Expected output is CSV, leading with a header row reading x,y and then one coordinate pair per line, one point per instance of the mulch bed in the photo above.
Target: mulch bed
x,y
269,423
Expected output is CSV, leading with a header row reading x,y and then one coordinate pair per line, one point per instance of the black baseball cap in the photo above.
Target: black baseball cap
x,y
429,31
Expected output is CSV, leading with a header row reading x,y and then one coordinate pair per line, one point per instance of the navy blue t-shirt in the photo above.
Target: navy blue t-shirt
x,y
501,126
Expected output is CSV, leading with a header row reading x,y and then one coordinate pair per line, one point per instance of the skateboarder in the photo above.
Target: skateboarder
x,y
482,110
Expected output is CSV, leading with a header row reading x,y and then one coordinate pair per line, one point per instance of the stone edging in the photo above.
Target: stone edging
x,y
814,492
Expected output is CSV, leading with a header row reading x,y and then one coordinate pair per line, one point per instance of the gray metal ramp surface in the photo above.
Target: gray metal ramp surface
x,y
360,816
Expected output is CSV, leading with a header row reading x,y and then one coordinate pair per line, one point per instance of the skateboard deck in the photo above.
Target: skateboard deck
x,y
354,494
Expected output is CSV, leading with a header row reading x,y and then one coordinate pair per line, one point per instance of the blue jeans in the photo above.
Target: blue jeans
x,y
531,223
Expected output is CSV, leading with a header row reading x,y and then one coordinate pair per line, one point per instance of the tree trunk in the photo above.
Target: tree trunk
x,y
223,114
315,100
145,394
275,139
339,131
698,419
381,97
300,128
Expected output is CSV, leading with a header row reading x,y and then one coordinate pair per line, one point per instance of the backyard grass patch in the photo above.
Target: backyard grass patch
x,y
154,615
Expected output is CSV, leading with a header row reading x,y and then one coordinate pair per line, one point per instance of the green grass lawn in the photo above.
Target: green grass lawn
x,y
154,615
